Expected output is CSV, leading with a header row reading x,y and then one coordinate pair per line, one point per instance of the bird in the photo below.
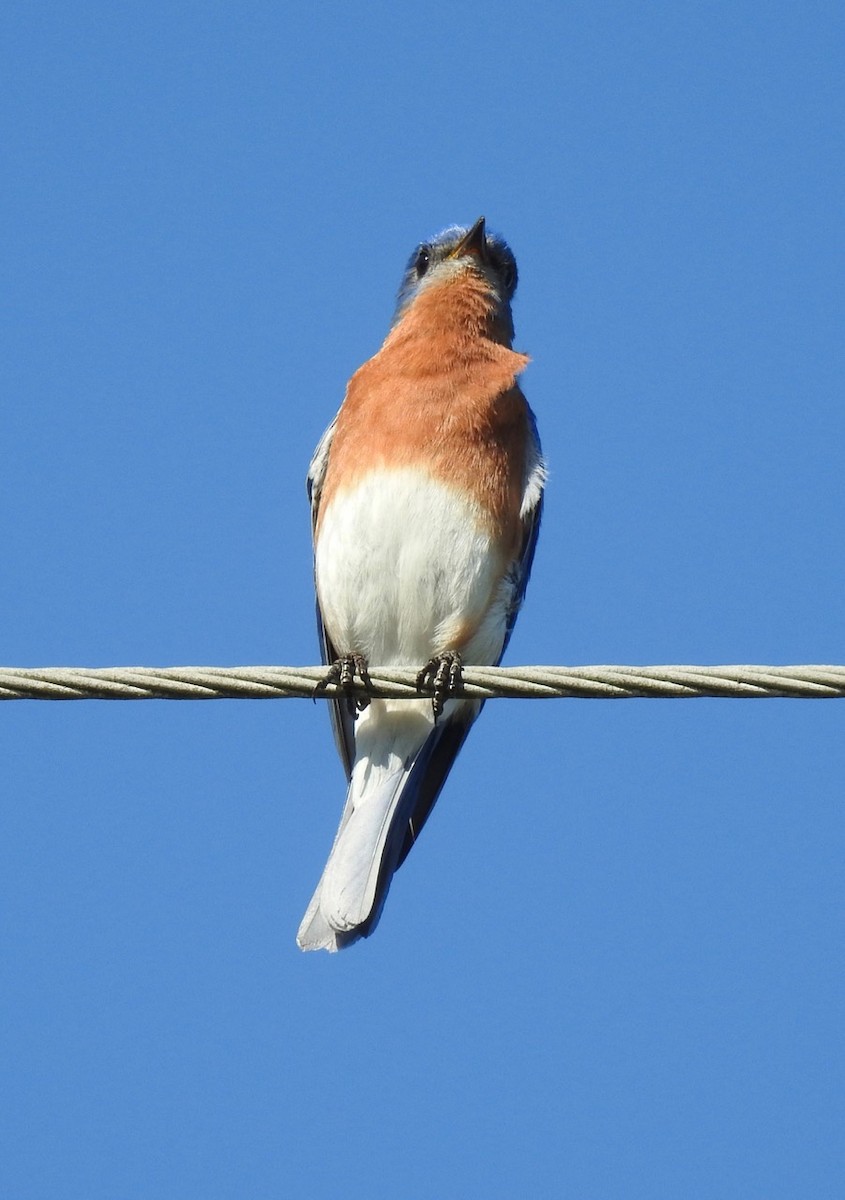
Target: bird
x,y
426,495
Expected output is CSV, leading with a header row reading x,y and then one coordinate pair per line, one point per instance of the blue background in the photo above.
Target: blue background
x,y
613,965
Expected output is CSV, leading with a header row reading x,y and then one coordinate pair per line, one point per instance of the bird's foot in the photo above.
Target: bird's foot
x,y
442,674
342,674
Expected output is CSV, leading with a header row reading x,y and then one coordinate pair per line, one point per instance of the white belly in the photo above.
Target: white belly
x,y
405,570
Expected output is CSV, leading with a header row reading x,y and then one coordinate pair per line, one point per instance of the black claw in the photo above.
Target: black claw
x,y
342,674
442,674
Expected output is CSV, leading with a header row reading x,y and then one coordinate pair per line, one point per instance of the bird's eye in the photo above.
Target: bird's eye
x,y
507,273
422,261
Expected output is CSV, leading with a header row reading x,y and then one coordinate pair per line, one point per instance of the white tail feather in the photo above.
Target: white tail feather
x,y
388,739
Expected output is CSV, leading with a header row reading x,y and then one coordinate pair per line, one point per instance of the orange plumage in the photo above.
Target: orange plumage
x,y
441,395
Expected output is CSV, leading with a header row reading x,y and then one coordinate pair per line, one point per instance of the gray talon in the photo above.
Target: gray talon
x,y
442,673
342,673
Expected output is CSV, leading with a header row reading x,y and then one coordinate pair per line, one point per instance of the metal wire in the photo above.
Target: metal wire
x,y
484,683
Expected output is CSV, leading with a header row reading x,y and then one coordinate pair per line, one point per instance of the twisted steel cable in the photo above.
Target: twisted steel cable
x,y
814,682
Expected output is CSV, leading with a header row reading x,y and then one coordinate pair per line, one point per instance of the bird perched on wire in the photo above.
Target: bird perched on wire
x,y
426,493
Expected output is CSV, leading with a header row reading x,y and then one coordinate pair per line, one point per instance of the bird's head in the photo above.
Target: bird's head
x,y
451,254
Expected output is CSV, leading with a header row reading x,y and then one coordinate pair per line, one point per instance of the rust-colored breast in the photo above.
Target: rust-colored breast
x,y
441,396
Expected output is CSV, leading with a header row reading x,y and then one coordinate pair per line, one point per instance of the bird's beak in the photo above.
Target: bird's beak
x,y
475,242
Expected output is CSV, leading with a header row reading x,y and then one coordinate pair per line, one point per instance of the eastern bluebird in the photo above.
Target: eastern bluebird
x,y
426,493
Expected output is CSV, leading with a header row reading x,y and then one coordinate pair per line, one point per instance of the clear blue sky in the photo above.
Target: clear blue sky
x,y
613,965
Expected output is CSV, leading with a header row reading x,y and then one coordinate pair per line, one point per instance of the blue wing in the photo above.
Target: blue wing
x,y
343,723
531,512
